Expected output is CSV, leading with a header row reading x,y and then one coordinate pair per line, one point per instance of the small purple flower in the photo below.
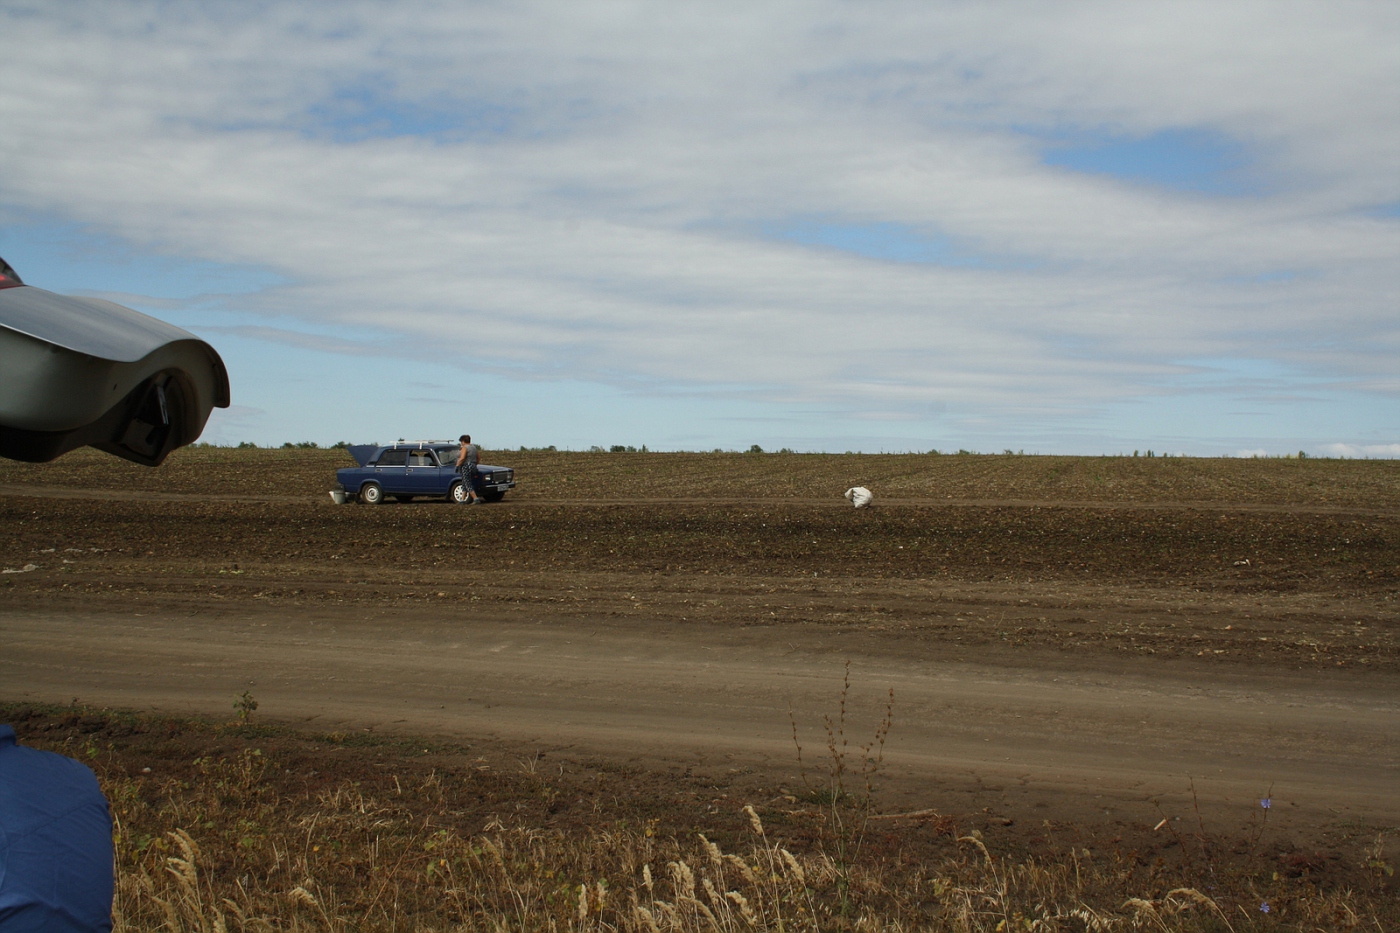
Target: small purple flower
x,y
1265,803
1264,907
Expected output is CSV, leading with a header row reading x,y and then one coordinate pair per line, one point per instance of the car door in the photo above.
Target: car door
x,y
389,471
421,473
447,470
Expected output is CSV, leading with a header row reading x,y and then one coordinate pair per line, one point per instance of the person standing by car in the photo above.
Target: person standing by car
x,y
467,460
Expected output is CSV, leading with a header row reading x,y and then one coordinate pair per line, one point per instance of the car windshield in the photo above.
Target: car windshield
x,y
448,455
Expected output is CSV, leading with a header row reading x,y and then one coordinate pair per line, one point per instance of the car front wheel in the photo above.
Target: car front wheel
x,y
371,494
458,493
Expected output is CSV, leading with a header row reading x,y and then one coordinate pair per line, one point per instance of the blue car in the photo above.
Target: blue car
x,y
422,468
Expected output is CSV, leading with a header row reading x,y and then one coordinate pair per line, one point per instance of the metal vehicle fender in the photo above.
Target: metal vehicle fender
x,y
84,371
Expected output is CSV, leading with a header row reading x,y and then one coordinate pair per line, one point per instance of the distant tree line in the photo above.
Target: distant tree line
x,y
756,449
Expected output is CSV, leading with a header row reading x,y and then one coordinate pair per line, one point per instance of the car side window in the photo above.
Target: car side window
x,y
420,458
393,458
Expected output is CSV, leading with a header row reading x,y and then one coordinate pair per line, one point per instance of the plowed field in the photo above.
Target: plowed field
x,y
1308,552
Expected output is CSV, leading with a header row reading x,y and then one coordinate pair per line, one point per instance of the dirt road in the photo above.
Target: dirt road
x,y
1040,737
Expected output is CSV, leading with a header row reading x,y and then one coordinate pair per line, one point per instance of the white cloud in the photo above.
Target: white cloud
x,y
1362,450
233,424
597,212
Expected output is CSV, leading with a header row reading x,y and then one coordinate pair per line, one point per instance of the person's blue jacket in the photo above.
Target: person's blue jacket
x,y
55,843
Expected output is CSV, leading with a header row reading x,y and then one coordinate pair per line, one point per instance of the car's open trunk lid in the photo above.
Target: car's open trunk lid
x,y
362,452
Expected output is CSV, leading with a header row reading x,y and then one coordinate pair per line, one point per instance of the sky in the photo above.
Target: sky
x,y
1084,228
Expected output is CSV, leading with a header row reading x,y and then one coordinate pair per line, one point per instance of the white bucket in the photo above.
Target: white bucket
x,y
338,496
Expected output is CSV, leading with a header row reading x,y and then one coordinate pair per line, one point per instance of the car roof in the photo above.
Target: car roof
x,y
365,453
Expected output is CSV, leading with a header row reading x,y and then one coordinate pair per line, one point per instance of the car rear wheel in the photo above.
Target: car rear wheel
x,y
457,494
371,494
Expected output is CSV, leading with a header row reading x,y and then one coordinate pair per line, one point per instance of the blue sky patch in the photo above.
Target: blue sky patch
x,y
68,257
1194,160
1238,372
890,242
373,110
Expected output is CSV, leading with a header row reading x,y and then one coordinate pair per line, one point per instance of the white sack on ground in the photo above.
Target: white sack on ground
x,y
860,496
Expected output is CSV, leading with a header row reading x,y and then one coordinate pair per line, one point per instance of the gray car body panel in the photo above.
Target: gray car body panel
x,y
91,326
66,361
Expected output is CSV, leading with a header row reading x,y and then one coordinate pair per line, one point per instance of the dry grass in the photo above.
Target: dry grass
x,y
524,879
231,844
